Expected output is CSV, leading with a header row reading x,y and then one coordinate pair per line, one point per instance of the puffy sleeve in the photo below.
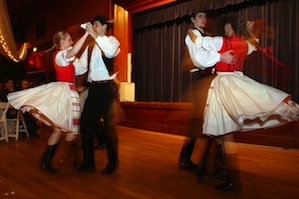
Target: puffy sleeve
x,y
61,59
109,45
201,57
251,47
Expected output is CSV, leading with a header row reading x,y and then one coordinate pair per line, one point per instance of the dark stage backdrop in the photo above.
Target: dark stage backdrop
x,y
158,45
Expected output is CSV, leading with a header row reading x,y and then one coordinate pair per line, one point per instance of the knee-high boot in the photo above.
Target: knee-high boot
x,y
186,153
47,157
231,177
224,172
88,155
220,163
202,167
112,150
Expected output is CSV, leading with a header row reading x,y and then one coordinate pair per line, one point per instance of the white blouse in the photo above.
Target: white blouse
x,y
80,64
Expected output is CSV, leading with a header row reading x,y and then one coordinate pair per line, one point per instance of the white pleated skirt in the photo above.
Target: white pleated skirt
x,y
55,104
238,103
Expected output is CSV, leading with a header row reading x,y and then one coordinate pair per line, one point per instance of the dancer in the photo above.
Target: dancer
x,y
101,96
236,102
57,103
201,61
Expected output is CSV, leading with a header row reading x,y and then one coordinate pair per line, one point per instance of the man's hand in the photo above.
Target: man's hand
x,y
228,57
90,30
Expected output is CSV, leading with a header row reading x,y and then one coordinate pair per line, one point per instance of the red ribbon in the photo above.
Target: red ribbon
x,y
35,59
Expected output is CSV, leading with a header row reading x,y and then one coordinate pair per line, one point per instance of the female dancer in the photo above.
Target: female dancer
x,y
236,102
57,103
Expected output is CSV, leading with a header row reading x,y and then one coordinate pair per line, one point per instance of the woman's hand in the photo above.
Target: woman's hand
x,y
90,30
249,28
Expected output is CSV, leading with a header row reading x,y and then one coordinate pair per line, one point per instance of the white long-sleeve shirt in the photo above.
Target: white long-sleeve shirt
x,y
216,43
201,57
105,45
204,51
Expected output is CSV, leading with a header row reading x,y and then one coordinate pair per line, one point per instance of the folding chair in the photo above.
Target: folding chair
x,y
3,122
15,127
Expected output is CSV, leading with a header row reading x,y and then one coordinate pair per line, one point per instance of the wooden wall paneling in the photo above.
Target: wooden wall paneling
x,y
64,14
175,118
123,32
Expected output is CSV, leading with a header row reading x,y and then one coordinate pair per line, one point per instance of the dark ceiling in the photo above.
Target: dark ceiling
x,y
19,10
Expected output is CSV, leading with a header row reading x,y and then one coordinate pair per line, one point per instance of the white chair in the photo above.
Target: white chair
x,y
3,122
15,127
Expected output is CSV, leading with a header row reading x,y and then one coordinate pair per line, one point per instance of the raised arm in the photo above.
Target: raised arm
x,y
108,44
252,41
77,46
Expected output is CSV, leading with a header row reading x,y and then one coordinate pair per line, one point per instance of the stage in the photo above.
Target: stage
x,y
174,118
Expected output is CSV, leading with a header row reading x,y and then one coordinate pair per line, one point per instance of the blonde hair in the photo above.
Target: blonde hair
x,y
60,35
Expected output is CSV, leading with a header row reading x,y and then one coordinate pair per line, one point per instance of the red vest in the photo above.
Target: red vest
x,y
66,73
240,49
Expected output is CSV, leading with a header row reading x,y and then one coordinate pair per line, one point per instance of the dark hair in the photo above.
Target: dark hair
x,y
237,22
6,79
195,12
103,20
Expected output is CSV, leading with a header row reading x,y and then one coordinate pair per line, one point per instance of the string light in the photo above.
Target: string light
x,y
23,51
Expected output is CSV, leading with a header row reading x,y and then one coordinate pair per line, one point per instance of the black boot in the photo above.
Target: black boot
x,y
220,165
186,153
226,185
112,149
47,157
223,172
232,179
88,154
201,169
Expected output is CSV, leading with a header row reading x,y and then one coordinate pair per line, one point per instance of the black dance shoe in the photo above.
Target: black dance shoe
x,y
110,168
227,185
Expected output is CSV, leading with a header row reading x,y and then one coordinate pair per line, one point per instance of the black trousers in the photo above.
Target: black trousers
x,y
98,102
198,97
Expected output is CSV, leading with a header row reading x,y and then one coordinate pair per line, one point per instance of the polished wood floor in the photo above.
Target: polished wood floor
x,y
148,170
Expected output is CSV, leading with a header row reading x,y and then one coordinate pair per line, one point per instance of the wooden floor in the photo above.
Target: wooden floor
x,y
148,169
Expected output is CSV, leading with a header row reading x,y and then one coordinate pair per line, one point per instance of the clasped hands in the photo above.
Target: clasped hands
x,y
90,30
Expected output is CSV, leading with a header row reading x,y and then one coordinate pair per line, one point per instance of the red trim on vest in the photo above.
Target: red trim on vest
x,y
66,73
240,49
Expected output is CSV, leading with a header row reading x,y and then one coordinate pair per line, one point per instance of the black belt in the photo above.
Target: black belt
x,y
100,82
